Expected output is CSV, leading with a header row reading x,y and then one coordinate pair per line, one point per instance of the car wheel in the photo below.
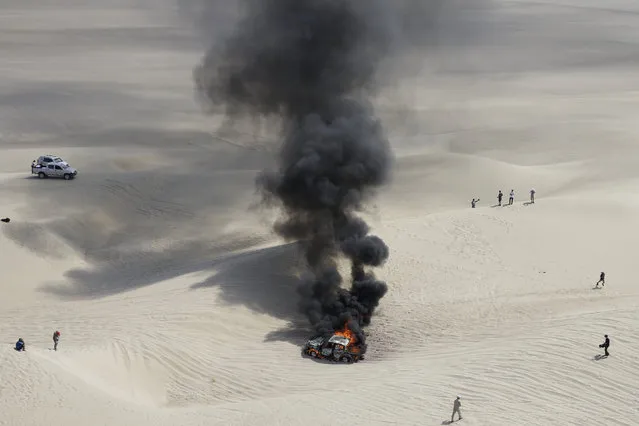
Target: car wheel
x,y
67,176
41,175
313,354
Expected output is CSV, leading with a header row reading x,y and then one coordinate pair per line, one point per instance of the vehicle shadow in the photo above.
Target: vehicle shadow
x,y
325,361
48,178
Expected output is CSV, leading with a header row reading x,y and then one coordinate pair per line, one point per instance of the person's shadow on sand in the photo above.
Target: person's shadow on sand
x,y
448,422
599,357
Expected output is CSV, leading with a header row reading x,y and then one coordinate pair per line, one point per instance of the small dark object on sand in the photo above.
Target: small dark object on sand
x,y
5,220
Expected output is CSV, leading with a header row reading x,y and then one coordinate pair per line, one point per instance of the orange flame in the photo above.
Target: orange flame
x,y
347,333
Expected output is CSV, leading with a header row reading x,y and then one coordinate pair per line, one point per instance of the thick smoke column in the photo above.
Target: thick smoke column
x,y
311,65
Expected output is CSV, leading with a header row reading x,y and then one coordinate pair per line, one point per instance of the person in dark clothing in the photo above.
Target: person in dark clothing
x,y
499,197
56,337
602,280
605,345
474,202
456,409
20,346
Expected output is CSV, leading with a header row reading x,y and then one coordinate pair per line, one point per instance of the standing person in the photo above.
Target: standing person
x,y
56,337
456,409
532,196
472,203
512,197
602,280
499,197
605,345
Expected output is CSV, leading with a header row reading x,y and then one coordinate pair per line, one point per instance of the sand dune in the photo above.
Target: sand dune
x,y
178,305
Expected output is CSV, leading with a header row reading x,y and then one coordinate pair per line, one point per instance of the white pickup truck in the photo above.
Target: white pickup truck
x,y
52,166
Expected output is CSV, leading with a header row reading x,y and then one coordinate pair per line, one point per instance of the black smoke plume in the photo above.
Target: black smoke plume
x,y
312,66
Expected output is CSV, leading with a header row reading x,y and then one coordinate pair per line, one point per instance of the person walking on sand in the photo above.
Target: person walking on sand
x,y
532,196
512,197
500,195
605,345
602,280
474,202
456,409
56,338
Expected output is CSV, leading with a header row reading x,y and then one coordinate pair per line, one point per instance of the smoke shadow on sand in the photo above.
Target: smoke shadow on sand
x,y
266,281
162,206
116,272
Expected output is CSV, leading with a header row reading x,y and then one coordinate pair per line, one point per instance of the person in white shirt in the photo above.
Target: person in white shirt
x,y
512,197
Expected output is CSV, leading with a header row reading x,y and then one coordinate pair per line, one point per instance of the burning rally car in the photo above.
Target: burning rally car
x,y
342,346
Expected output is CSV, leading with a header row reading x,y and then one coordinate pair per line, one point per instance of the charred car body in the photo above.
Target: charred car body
x,y
336,348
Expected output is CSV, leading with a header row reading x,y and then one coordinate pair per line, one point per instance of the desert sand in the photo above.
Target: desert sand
x,y
177,303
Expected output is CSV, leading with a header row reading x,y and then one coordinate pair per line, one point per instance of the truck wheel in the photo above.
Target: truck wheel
x,y
346,359
67,176
41,175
